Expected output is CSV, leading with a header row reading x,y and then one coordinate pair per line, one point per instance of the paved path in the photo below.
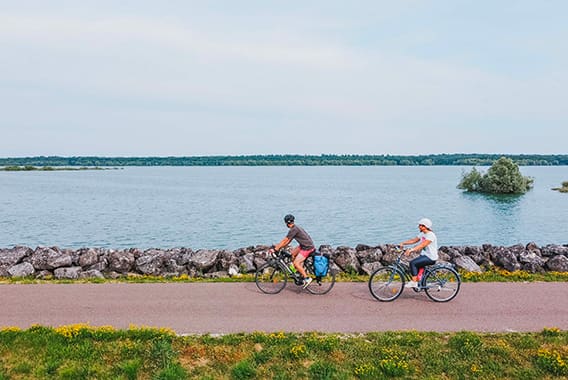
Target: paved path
x,y
240,307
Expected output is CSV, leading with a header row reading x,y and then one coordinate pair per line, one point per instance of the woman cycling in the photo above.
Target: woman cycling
x,y
428,248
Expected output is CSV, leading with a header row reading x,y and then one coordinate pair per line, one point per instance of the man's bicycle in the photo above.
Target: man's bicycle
x,y
441,282
272,277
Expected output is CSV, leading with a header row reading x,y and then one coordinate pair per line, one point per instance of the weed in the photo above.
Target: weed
x,y
243,370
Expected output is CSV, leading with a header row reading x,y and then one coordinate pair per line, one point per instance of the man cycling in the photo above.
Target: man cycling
x,y
301,252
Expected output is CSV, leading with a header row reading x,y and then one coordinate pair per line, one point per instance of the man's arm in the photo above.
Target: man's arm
x,y
282,244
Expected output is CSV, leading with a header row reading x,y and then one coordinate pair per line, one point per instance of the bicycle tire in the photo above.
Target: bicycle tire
x,y
270,279
386,284
442,284
319,285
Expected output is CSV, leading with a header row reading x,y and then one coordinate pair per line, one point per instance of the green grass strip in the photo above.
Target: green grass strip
x,y
488,276
86,352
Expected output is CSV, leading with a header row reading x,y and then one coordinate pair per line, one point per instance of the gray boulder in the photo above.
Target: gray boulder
x,y
369,268
152,262
87,257
531,258
121,261
71,273
13,256
247,262
204,259
50,258
468,264
476,254
346,259
558,263
554,250
370,255
91,274
505,258
21,270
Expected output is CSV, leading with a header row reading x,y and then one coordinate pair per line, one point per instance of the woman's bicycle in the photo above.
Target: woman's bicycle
x,y
272,277
441,282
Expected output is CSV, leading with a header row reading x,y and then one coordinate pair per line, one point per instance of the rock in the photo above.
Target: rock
x,y
346,259
468,264
152,262
121,261
476,254
505,259
554,250
91,274
21,270
13,256
233,270
532,247
219,274
247,263
531,257
87,257
44,275
71,273
369,268
558,263
363,247
49,258
370,255
204,259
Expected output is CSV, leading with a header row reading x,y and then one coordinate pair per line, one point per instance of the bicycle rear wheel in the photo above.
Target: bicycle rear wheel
x,y
386,284
319,285
270,279
442,284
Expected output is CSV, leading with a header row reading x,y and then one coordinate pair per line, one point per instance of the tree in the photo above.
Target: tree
x,y
503,177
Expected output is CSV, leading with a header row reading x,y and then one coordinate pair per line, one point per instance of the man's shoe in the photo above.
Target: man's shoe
x,y
411,284
307,281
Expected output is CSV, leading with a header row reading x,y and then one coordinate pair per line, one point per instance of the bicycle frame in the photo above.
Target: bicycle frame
x,y
405,270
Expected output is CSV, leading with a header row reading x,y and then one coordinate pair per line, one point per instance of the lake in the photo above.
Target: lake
x,y
233,207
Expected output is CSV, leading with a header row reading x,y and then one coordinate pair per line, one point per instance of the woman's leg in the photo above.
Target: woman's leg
x,y
417,263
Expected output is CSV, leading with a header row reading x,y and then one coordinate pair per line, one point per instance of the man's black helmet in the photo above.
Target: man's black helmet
x,y
289,219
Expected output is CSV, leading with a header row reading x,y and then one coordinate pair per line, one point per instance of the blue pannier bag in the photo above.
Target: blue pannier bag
x,y
321,265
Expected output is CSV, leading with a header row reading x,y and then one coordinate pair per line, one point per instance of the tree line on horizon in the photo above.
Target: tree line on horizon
x,y
291,160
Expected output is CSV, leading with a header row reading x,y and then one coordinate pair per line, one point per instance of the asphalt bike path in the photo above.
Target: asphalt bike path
x,y
220,308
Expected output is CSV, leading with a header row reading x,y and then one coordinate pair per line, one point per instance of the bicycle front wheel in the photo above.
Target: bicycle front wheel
x,y
270,279
319,285
442,284
386,284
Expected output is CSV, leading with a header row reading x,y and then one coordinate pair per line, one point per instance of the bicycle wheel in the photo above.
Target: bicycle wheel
x,y
270,279
319,285
442,284
386,284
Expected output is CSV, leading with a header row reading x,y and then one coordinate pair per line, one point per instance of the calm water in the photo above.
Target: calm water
x,y
232,207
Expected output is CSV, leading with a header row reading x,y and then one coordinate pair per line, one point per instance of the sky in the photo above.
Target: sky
x,y
224,77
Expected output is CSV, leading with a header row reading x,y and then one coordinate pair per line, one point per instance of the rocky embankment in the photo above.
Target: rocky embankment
x,y
48,262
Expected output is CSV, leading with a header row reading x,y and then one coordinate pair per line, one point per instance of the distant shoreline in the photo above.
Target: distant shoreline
x,y
48,168
90,162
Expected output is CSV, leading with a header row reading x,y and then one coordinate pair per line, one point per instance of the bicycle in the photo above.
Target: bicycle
x,y
441,282
271,278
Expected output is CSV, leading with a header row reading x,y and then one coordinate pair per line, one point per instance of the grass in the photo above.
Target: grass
x,y
487,276
86,352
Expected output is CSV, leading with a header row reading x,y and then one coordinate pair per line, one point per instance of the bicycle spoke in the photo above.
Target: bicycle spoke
x,y
270,279
442,284
386,284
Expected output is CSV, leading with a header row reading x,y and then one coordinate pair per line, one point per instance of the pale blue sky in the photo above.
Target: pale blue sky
x,y
182,78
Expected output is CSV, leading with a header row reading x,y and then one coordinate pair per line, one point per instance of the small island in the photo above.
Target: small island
x,y
563,189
